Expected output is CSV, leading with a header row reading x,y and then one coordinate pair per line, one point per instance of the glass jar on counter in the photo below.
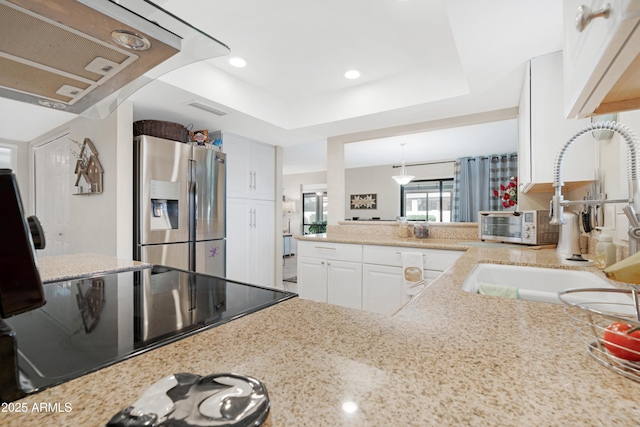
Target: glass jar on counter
x,y
403,227
421,231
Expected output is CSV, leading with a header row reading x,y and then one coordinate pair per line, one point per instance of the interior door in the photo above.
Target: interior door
x,y
52,177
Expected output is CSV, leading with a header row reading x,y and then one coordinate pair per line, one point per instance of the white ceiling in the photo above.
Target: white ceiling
x,y
422,61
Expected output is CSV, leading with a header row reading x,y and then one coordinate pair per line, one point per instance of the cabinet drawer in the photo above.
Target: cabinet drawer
x,y
327,250
434,259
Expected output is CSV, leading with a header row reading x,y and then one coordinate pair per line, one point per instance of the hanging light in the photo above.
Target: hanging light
x,y
404,178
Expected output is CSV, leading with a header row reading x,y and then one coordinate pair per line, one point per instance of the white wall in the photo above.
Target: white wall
x,y
102,223
377,180
613,164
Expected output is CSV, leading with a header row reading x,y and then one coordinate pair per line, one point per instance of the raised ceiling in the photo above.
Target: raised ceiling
x,y
421,61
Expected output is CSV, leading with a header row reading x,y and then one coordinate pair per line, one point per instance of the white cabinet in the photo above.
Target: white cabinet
x,y
250,241
382,290
362,276
330,272
601,62
544,131
250,168
250,209
382,281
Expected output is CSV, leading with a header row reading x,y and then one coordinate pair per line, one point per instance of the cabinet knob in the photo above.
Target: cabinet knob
x,y
586,15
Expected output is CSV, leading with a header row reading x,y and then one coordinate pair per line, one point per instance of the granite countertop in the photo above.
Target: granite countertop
x,y
447,358
66,267
410,242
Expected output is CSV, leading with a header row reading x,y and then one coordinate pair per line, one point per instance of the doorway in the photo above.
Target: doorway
x,y
52,191
314,212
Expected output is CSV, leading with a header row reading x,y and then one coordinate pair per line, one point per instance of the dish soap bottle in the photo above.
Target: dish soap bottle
x,y
605,250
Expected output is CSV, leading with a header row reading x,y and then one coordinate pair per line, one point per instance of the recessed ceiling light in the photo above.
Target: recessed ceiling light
x,y
238,62
352,74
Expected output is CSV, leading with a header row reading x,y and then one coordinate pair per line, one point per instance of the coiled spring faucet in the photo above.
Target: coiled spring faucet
x,y
631,140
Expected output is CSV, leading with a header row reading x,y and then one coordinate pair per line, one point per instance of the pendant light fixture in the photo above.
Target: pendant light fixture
x,y
404,178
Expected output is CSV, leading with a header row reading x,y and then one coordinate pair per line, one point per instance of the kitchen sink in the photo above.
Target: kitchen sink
x,y
535,283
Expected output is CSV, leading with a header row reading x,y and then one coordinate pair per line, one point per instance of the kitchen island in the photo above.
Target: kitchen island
x,y
447,358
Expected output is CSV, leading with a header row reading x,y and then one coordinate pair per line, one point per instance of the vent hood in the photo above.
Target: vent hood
x,y
87,56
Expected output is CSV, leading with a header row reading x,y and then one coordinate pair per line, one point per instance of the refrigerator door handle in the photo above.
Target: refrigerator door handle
x,y
254,180
250,219
250,180
193,198
254,218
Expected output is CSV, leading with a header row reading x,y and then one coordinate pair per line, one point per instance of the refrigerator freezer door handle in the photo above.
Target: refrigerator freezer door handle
x,y
250,219
254,180
193,197
250,180
254,218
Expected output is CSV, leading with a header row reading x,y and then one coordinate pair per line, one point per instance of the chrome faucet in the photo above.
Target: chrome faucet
x,y
557,202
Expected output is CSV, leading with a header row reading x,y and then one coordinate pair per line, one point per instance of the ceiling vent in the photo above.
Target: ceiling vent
x,y
207,108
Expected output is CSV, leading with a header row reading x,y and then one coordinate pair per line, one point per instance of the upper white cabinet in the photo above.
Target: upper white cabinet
x,y
543,130
250,168
602,56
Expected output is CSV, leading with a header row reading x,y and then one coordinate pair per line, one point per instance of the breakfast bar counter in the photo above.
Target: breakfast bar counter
x,y
447,358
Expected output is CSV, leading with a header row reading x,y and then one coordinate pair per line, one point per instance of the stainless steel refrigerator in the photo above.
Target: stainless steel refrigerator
x,y
179,205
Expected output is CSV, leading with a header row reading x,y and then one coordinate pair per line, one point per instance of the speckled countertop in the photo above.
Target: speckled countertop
x,y
448,358
364,239
64,267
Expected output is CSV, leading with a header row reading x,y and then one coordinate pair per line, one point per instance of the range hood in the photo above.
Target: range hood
x,y
87,56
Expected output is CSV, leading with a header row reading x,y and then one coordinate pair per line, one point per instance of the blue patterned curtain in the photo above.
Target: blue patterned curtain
x,y
475,179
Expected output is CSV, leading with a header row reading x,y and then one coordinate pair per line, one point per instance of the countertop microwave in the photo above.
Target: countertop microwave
x,y
525,227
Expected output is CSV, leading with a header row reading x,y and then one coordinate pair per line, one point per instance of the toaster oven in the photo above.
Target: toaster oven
x,y
525,227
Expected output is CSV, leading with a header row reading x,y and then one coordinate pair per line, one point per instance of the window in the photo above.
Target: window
x,y
427,200
8,156
314,212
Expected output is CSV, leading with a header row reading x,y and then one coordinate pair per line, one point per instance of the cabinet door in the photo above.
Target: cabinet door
x,y
239,231
382,289
524,132
600,57
312,279
550,130
238,161
263,242
263,171
344,283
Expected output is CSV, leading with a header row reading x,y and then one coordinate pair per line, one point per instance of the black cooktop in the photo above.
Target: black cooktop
x,y
92,322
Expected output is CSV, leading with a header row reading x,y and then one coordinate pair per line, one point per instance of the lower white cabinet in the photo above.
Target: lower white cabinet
x,y
344,283
362,276
332,281
250,241
382,289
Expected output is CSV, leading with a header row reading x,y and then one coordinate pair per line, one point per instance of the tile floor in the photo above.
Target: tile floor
x,y
289,271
